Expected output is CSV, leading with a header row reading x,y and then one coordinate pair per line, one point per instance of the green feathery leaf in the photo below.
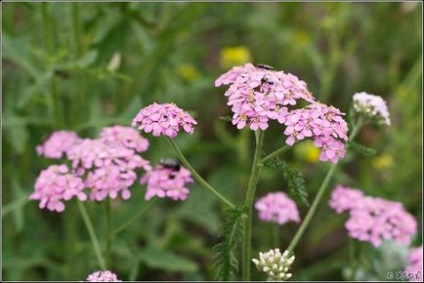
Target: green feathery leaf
x,y
367,151
295,180
225,262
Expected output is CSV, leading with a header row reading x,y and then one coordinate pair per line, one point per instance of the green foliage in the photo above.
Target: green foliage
x,y
294,178
225,261
64,74
160,259
362,149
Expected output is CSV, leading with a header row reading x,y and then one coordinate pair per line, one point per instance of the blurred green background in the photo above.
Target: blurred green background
x,y
82,66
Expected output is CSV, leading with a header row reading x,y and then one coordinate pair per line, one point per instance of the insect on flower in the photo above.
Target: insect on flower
x,y
266,67
170,163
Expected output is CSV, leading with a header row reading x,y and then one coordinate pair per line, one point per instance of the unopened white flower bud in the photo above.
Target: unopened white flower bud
x,y
275,264
371,106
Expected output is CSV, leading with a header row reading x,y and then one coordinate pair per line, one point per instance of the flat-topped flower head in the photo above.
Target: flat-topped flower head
x,y
125,136
164,119
344,198
414,269
372,107
57,144
275,264
258,94
277,207
55,185
109,167
373,219
167,181
321,123
103,276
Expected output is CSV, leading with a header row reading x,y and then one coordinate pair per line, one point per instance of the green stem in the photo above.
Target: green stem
x,y
109,233
275,235
71,240
319,195
135,217
197,176
92,233
248,204
275,153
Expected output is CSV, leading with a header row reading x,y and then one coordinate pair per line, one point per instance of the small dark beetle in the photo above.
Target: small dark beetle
x,y
170,163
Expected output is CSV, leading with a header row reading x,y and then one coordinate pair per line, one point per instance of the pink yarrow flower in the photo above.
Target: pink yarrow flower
x,y
414,269
324,124
55,185
372,106
344,199
374,219
164,119
277,207
163,181
125,136
103,276
57,144
109,164
258,94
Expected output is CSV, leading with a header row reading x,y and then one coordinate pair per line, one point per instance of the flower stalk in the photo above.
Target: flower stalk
x,y
248,206
92,233
197,176
320,194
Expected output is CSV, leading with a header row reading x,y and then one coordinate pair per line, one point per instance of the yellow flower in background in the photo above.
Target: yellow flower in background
x,y
233,56
302,38
383,161
187,72
307,151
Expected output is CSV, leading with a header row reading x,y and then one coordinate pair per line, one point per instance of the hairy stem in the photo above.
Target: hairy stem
x,y
196,175
92,233
319,195
248,204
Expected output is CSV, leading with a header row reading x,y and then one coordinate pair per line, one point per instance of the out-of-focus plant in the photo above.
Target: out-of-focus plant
x,y
87,66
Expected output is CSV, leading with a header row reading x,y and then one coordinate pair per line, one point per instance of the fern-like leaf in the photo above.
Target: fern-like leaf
x,y
225,262
294,178
367,151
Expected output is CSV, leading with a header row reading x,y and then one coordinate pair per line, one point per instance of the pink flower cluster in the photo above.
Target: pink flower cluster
x,y
163,119
57,144
105,166
111,161
258,94
373,219
163,181
277,207
127,137
414,269
54,185
103,276
372,106
322,123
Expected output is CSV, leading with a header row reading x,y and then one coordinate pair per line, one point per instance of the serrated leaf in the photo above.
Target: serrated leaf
x,y
225,262
294,178
367,151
